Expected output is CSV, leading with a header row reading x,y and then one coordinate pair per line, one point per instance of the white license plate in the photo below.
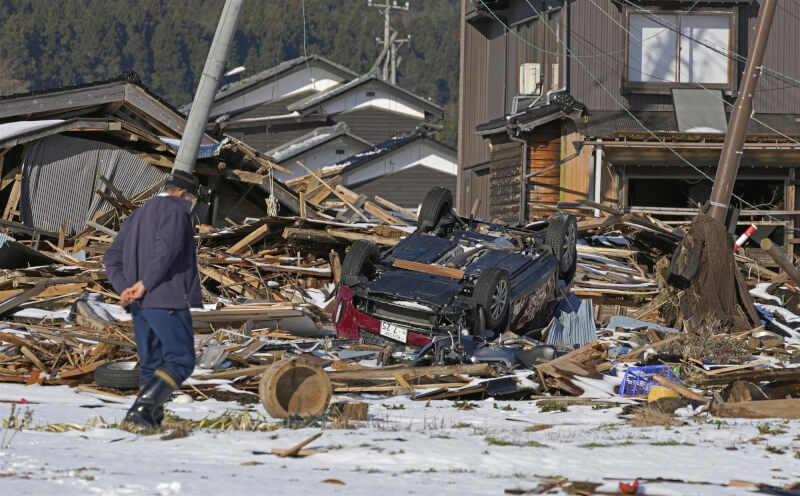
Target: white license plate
x,y
394,331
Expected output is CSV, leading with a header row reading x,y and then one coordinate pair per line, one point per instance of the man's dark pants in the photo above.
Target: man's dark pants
x,y
164,338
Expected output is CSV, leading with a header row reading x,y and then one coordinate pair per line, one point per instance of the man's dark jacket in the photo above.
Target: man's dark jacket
x,y
156,246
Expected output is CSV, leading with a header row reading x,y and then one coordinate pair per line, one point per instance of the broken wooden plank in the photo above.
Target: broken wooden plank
x,y
397,208
352,236
678,388
253,237
787,408
294,450
383,215
332,190
436,270
481,369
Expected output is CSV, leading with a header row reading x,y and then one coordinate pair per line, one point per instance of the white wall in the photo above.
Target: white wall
x,y
321,156
286,84
420,152
383,99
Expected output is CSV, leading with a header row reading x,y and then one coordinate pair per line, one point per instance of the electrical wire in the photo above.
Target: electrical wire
x,y
619,104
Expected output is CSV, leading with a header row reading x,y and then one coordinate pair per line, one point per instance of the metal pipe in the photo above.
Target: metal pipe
x,y
209,80
734,140
523,193
598,176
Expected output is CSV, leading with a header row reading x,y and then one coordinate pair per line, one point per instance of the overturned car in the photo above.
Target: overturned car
x,y
455,277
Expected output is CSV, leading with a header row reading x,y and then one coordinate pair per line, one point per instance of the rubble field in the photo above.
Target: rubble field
x,y
632,392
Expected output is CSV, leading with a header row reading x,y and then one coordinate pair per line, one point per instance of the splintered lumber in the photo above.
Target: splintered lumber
x,y
253,237
332,190
736,367
82,370
33,358
313,235
788,408
637,353
234,373
679,389
353,236
383,215
397,208
20,298
757,375
481,369
586,353
436,270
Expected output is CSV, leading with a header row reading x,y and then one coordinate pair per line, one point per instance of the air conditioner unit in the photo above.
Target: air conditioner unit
x,y
530,79
556,83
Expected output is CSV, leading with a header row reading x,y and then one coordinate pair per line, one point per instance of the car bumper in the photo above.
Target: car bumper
x,y
349,322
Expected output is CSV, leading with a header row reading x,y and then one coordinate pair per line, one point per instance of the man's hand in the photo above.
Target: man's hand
x,y
132,294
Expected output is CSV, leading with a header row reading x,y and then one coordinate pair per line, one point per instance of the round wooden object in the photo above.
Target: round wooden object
x,y
295,387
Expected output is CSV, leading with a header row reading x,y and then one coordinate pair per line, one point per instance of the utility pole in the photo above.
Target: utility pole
x,y
388,52
209,80
733,146
395,59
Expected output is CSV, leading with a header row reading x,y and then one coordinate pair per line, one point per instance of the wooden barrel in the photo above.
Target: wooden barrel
x,y
295,387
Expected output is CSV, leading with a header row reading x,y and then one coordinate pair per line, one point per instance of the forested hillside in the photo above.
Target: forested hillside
x,y
57,43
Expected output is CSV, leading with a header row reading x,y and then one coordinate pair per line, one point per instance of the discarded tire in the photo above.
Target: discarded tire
x,y
118,375
435,205
561,236
491,294
295,388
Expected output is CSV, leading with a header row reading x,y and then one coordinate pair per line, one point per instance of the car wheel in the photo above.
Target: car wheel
x,y
437,204
491,293
362,254
562,235
117,375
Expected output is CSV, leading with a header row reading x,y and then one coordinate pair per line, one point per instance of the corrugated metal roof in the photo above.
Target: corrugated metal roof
x,y
338,90
60,176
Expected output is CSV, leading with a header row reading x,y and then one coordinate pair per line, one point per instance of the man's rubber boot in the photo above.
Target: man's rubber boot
x,y
158,415
148,409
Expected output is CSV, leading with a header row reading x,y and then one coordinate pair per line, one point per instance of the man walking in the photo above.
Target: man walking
x,y
152,264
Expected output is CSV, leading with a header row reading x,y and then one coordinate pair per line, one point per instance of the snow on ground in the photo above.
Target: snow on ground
x,y
407,447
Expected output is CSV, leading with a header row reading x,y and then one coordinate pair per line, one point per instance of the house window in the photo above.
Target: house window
x,y
340,151
680,48
370,93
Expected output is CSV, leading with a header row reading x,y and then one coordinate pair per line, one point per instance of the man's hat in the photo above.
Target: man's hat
x,y
183,180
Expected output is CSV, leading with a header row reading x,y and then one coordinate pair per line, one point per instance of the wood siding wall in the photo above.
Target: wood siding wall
x,y
504,182
544,150
408,187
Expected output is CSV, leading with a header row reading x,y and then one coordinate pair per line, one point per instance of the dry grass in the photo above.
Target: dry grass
x,y
648,416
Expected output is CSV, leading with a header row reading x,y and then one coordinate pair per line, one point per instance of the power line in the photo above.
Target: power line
x,y
639,122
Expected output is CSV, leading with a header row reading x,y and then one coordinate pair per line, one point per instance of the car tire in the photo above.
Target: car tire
x,y
117,375
361,254
437,203
562,235
492,294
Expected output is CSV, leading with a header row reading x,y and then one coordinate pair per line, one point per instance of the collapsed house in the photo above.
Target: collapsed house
x,y
68,154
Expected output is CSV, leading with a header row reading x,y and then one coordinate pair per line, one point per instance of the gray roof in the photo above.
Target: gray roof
x,y
338,90
317,137
387,146
243,84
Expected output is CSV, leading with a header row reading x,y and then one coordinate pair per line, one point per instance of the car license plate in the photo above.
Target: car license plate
x,y
394,331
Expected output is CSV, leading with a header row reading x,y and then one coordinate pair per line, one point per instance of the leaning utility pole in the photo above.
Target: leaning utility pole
x,y
209,80
387,54
733,146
